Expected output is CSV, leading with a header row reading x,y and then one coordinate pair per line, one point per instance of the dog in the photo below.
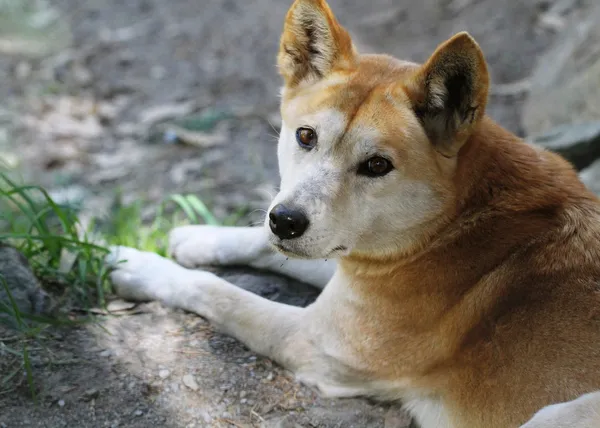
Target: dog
x,y
463,265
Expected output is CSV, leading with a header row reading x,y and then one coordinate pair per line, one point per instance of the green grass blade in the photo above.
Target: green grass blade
x,y
202,210
185,206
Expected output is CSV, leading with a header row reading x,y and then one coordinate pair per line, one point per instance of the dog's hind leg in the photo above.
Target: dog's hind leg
x,y
195,246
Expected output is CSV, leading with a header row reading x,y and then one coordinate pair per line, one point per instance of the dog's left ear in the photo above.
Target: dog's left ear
x,y
449,93
313,44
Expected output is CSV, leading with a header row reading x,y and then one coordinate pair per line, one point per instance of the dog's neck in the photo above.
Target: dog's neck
x,y
507,197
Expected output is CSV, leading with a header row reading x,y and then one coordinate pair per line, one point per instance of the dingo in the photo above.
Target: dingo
x,y
467,273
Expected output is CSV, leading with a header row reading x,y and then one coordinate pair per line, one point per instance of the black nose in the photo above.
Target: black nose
x,y
287,223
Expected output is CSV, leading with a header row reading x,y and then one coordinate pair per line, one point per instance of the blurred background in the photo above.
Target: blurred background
x,y
154,96
134,115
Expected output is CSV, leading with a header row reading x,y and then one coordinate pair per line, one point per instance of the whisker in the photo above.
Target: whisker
x,y
266,191
273,128
258,210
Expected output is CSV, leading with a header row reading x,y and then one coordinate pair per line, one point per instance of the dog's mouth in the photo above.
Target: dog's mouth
x,y
296,253
299,253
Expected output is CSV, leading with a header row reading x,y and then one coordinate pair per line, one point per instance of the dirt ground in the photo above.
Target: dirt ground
x,y
84,118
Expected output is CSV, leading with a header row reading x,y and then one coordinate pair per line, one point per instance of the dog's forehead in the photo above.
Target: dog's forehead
x,y
347,90
368,105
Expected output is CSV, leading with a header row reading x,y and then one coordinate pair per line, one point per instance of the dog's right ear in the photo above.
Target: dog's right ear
x,y
313,44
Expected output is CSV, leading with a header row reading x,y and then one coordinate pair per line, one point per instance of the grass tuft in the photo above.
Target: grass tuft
x,y
68,258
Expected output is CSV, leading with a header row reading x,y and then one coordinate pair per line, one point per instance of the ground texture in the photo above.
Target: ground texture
x,y
85,120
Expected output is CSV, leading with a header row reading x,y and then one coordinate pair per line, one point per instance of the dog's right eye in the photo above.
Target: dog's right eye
x,y
306,137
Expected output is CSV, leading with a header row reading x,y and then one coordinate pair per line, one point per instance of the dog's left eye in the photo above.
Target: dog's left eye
x,y
306,137
375,167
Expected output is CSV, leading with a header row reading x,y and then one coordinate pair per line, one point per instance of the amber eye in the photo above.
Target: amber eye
x,y
375,167
306,137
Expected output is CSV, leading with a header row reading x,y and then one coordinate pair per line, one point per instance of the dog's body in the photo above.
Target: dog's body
x,y
467,280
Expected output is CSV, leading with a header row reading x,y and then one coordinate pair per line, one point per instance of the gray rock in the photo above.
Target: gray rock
x,y
578,143
268,285
565,86
23,286
591,177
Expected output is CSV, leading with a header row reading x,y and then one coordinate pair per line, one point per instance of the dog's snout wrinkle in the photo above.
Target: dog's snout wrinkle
x,y
287,223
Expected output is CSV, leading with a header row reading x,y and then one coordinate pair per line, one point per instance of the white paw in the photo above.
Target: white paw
x,y
194,246
142,276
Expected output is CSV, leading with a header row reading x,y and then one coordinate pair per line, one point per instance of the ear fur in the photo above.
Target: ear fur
x,y
449,93
313,43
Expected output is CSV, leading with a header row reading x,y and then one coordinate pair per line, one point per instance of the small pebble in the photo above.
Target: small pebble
x,y
106,353
138,413
165,373
190,382
90,394
61,403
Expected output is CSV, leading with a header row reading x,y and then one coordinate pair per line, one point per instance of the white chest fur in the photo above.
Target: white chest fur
x,y
429,413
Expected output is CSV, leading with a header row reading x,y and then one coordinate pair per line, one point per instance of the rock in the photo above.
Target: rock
x,y
23,70
397,418
190,382
61,403
164,373
591,177
578,143
160,113
119,306
90,394
268,285
106,353
175,134
82,76
565,86
107,112
23,286
284,422
128,130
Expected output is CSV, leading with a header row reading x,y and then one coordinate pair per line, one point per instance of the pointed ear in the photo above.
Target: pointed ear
x,y
449,93
313,43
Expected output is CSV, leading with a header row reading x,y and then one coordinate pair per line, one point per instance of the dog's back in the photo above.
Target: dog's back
x,y
526,259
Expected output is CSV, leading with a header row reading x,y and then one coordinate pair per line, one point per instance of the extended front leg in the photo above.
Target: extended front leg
x,y
272,329
196,246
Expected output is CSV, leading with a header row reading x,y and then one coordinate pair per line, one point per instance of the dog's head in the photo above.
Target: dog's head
x,y
368,143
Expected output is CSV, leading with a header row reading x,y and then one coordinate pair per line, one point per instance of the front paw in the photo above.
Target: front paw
x,y
194,246
141,275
